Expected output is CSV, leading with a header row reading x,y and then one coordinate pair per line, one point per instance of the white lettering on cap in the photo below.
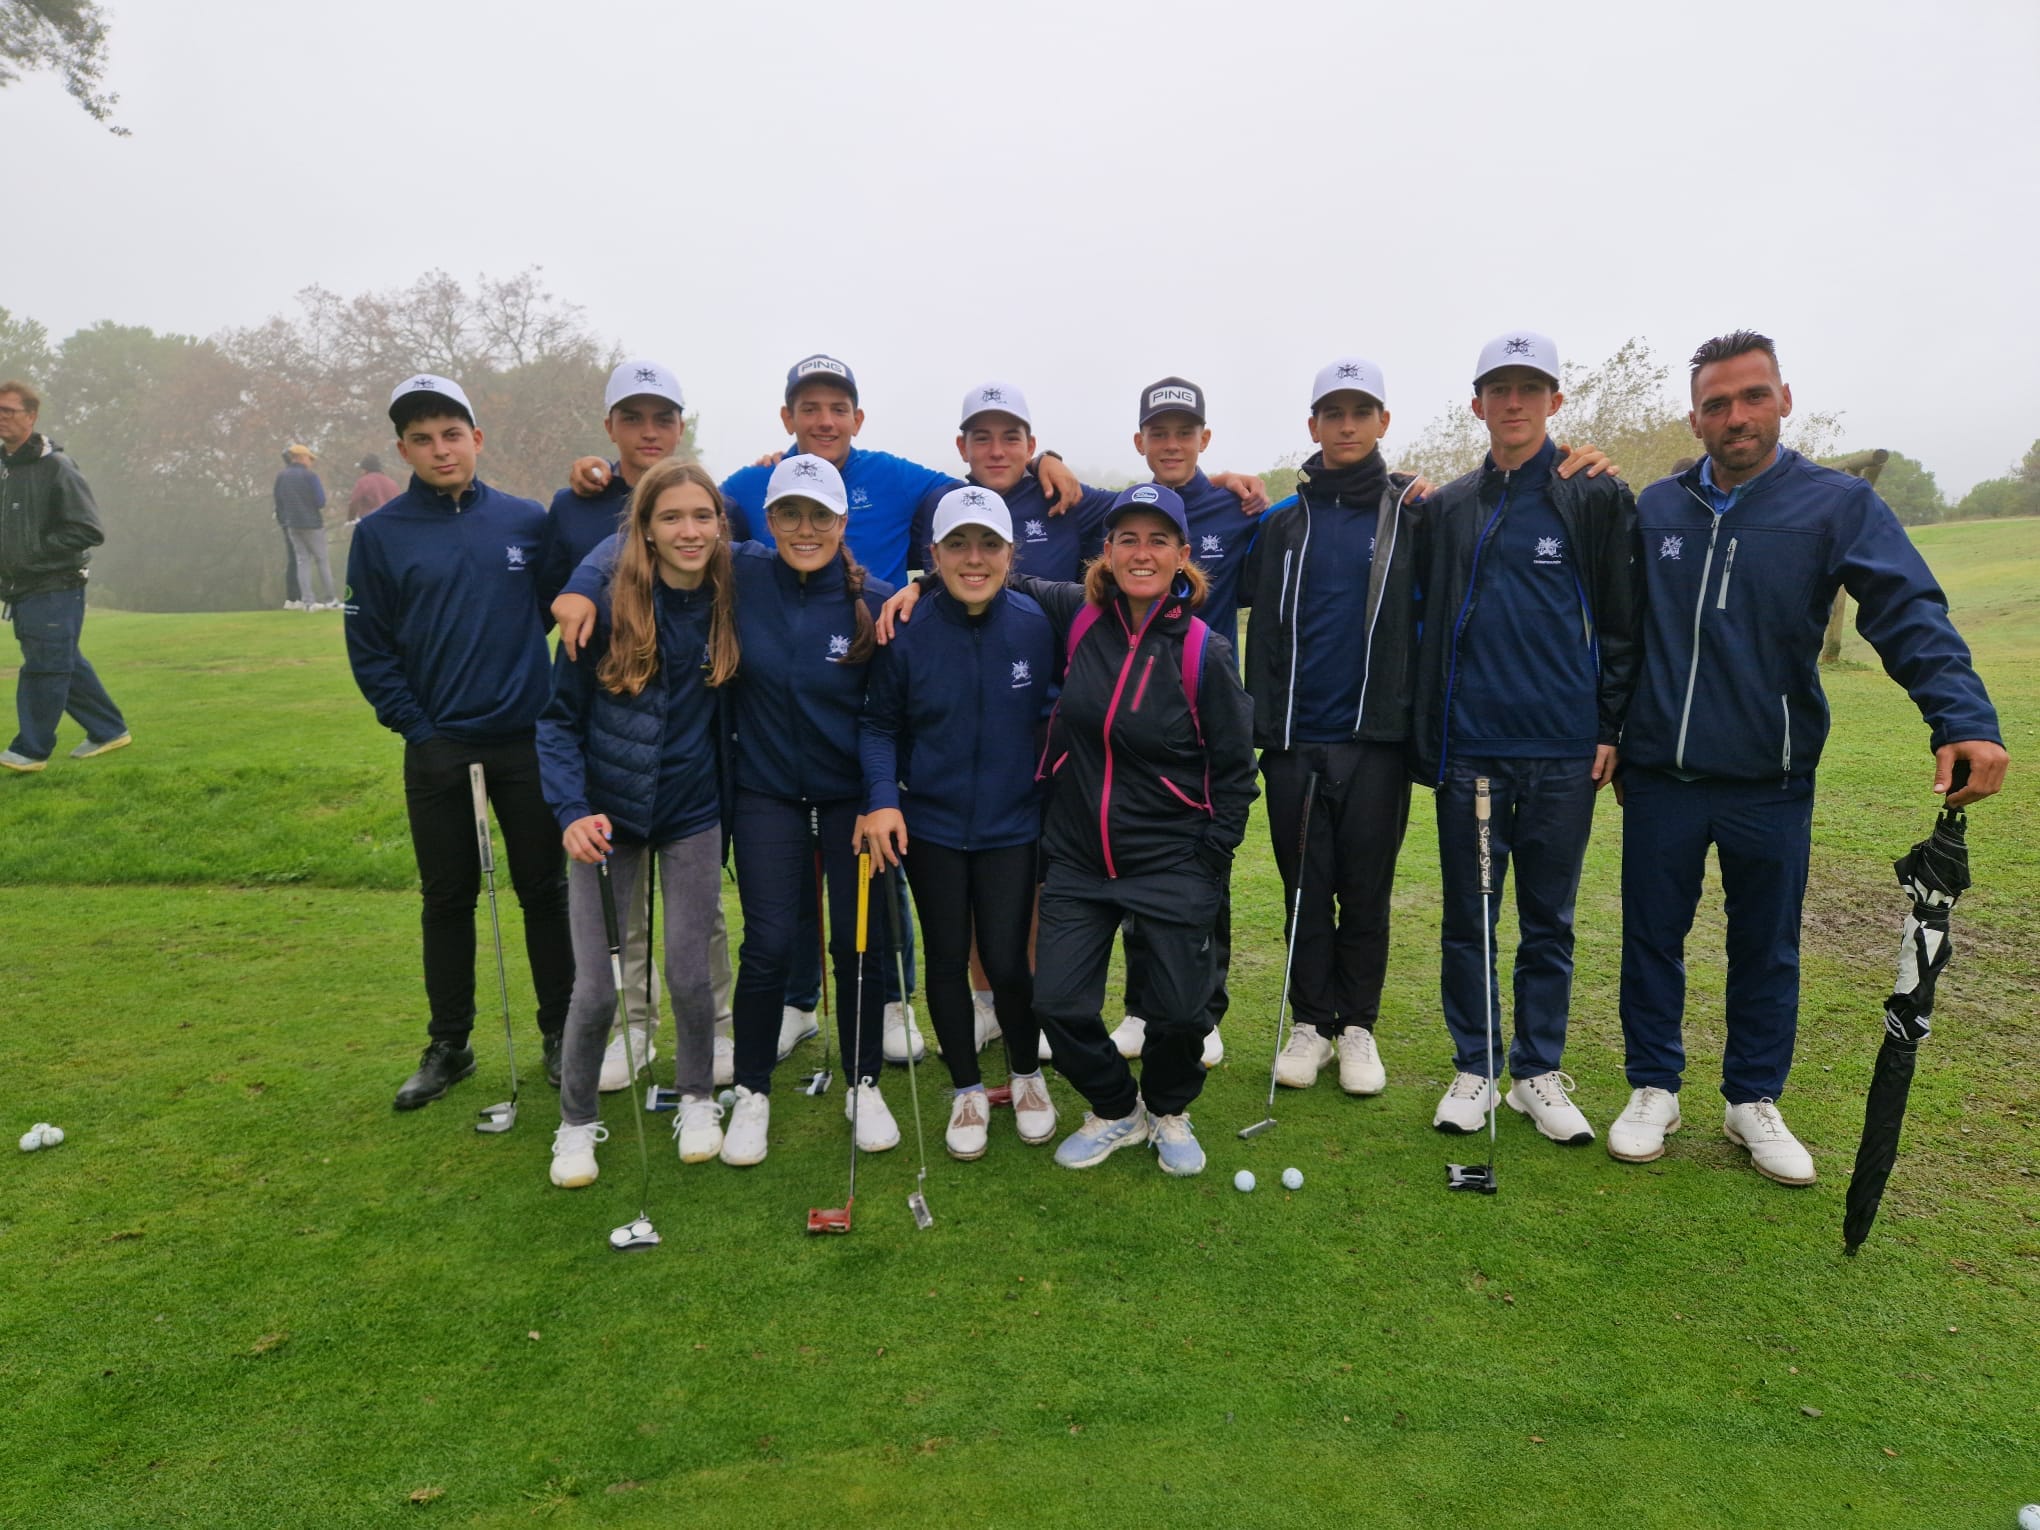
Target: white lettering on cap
x,y
1160,396
1146,495
821,364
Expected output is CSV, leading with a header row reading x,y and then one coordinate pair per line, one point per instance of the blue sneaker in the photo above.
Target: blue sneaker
x,y
1176,1146
1096,1140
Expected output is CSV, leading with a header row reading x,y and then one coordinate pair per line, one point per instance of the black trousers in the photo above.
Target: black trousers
x,y
437,798
989,893
1357,820
1137,1000
1168,919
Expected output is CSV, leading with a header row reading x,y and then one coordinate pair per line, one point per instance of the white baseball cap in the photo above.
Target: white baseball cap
x,y
641,378
805,476
995,398
1518,348
973,506
1349,374
426,382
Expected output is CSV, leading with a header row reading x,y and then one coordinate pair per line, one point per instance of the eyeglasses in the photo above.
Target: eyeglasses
x,y
8,411
786,517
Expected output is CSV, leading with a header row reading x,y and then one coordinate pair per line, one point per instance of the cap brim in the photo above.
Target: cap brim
x,y
658,393
1003,533
1521,366
1375,399
1155,414
1010,414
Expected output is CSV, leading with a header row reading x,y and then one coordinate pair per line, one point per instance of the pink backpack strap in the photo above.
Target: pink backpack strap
x,y
1193,671
1084,621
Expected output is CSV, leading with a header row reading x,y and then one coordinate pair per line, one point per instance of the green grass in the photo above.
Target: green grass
x,y
245,1293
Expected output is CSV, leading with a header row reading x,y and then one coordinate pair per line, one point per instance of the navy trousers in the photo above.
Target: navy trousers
x,y
804,977
1540,813
1762,831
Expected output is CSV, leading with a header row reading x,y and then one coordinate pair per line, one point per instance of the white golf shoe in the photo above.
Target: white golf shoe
x,y
969,1125
1638,1134
743,1143
795,1026
615,1066
698,1129
1297,1065
1546,1100
1214,1050
573,1160
902,1034
1774,1152
876,1129
1466,1105
725,1060
1360,1069
1033,1109
988,1028
1129,1036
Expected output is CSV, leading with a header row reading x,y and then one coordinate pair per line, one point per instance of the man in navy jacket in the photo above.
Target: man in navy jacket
x,y
446,642
1742,555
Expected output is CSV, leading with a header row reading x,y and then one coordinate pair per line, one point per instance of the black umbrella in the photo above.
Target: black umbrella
x,y
1934,874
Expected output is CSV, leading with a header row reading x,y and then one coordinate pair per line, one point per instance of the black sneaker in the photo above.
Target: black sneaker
x,y
555,1048
444,1064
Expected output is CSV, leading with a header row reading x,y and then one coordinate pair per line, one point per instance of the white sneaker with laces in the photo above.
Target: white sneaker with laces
x,y
1546,1100
699,1128
969,1125
1466,1105
1214,1050
1129,1036
725,1060
987,1017
615,1067
573,1160
1774,1152
901,1034
1296,1067
1638,1134
1033,1109
1176,1147
795,1026
876,1129
1360,1069
743,1143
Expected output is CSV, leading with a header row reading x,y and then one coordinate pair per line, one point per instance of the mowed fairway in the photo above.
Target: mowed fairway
x,y
245,1292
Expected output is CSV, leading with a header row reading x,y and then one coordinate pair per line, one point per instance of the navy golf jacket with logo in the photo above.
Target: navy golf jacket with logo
x,y
1045,545
885,495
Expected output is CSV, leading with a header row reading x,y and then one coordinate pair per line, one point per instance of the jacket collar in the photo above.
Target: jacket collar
x,y
1536,471
951,610
434,499
37,445
1171,612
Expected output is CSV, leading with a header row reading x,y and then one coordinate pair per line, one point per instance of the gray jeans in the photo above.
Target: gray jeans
x,y
309,543
641,987
690,883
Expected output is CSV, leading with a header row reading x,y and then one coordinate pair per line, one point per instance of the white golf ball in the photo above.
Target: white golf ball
x,y
727,1098
1244,1180
30,1141
52,1135
2029,1517
1292,1179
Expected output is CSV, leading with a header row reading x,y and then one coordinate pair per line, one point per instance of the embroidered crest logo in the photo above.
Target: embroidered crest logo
x,y
1671,547
1211,547
516,555
425,383
647,374
1348,369
839,646
1022,673
806,470
994,395
1517,347
974,498
1547,550
1036,532
859,497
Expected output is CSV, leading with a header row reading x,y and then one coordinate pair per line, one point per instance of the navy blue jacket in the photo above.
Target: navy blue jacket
x,y
885,494
1047,546
575,527
600,752
299,498
950,722
1220,538
443,628
1737,604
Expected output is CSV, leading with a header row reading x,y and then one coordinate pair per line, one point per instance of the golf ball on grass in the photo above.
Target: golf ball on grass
x,y
1244,1180
52,1135
727,1098
2029,1517
30,1141
1292,1179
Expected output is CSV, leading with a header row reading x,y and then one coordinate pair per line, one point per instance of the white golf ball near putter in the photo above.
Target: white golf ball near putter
x,y
1244,1180
1292,1179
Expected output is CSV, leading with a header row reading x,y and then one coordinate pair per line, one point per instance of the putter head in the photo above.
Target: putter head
x,y
1478,1178
917,1203
497,1118
817,1084
1003,1095
829,1220
634,1235
1249,1133
658,1099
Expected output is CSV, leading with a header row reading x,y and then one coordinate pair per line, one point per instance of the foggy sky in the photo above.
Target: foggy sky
x,y
1081,197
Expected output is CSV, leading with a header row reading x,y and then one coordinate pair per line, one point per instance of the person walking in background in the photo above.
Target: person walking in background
x,y
300,511
49,525
372,490
446,643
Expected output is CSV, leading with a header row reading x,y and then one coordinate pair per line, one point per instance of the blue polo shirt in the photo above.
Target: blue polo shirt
x,y
885,493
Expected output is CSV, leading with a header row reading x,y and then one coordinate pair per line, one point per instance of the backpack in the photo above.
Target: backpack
x,y
1192,673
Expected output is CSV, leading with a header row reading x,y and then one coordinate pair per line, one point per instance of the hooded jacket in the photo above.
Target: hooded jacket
x,y
1456,526
1737,603
49,522
1277,584
1138,782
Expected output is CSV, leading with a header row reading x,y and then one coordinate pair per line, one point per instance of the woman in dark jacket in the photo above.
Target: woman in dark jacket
x,y
628,757
1151,759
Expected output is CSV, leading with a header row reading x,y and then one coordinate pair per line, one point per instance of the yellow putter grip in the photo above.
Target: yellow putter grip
x,y
863,898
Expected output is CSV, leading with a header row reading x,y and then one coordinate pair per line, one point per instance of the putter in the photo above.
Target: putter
x,y
499,1117
1248,1133
826,1219
818,1081
638,1232
1479,1178
917,1203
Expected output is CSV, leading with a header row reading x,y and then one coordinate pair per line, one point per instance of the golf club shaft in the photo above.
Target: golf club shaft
x,y
1295,921
857,1020
1481,812
899,951
478,787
